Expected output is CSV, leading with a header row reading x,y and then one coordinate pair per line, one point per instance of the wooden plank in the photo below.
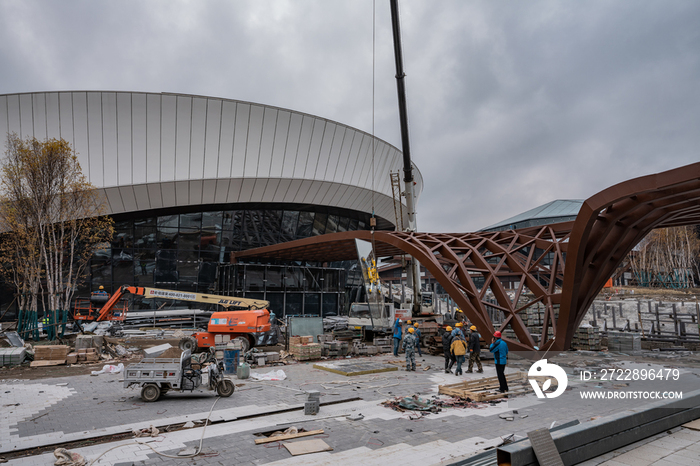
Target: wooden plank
x,y
307,446
693,425
50,362
287,436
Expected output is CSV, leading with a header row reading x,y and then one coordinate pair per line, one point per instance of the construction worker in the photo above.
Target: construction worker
x,y
474,350
45,323
459,349
398,330
417,334
457,329
499,349
100,292
447,352
409,344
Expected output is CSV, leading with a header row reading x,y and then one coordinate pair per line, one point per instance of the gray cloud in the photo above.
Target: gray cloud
x,y
511,104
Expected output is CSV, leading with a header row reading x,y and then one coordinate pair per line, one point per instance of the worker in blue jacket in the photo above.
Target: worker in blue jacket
x,y
397,335
499,349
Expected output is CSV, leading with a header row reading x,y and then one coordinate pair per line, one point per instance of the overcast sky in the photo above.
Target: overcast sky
x,y
511,104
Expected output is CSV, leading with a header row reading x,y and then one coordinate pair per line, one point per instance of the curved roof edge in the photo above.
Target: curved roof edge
x,y
561,210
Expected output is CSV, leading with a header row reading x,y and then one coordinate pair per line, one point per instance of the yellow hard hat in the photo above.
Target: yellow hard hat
x,y
410,330
416,324
448,328
102,287
473,327
459,324
408,322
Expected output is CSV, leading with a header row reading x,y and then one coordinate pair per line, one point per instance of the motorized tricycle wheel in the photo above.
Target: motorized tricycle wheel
x,y
150,392
225,388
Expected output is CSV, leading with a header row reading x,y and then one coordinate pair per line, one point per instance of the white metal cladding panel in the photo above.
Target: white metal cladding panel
x,y
25,115
246,192
14,124
258,191
183,131
168,192
197,142
138,142
110,149
168,137
143,200
253,139
221,194
127,138
155,195
124,138
53,121
153,137
39,116
240,139
209,192
212,138
228,119
281,191
234,190
114,200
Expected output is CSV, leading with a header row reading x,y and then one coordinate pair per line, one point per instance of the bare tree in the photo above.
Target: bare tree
x,y
54,219
667,257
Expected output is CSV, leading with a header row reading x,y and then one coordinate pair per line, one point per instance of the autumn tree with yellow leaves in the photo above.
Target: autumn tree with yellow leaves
x,y
52,221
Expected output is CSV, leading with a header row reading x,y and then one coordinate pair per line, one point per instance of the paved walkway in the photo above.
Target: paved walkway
x,y
36,413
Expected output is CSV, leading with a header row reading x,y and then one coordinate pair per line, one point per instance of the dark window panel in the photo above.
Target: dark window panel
x,y
212,221
276,304
330,305
168,221
274,279
255,278
206,277
167,238
294,304
312,304
332,224
272,226
344,224
320,223
306,223
293,279
123,272
353,225
144,271
290,219
188,241
191,222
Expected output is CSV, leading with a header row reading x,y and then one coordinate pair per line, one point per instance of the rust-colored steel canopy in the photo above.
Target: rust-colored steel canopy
x,y
561,267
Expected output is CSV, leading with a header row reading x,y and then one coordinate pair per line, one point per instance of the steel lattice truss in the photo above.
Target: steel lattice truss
x,y
560,267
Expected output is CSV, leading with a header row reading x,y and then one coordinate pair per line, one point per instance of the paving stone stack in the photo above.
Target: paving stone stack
x,y
362,349
304,349
384,344
313,403
624,342
587,338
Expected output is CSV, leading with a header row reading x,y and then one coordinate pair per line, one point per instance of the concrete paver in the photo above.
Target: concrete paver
x,y
100,405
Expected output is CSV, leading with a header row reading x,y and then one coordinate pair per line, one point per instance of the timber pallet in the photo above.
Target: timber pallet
x,y
486,389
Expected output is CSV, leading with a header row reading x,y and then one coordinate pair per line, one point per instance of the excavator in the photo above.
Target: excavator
x,y
249,322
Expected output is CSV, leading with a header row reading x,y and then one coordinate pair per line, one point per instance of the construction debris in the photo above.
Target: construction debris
x,y
288,434
49,355
150,432
415,403
307,446
68,458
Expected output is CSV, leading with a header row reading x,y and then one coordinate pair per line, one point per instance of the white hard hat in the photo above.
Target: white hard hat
x,y
400,320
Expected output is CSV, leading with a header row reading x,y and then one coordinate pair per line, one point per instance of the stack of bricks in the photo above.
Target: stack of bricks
x,y
304,349
88,355
586,338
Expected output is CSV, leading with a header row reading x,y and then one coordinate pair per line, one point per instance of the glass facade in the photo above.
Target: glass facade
x,y
182,251
291,289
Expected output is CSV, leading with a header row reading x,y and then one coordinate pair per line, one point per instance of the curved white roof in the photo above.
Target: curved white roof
x,y
150,151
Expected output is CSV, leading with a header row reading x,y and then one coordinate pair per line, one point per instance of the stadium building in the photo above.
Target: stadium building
x,y
189,179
